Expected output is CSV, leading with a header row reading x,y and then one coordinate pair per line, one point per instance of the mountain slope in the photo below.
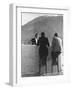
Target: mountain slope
x,y
46,24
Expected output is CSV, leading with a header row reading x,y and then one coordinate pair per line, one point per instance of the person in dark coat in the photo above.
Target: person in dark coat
x,y
35,39
43,43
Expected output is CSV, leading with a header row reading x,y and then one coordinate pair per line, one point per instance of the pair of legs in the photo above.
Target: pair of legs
x,y
42,63
54,61
57,67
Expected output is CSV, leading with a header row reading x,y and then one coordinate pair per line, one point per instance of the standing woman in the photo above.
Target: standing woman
x,y
43,43
56,51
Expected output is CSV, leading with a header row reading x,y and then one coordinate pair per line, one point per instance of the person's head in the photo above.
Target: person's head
x,y
56,34
42,34
36,35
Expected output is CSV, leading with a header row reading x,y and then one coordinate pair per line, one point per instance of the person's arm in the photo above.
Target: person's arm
x,y
52,45
60,43
48,42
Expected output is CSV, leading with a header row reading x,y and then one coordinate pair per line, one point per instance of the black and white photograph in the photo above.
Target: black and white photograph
x,y
41,44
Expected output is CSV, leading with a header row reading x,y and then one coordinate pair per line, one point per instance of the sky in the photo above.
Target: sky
x,y
26,17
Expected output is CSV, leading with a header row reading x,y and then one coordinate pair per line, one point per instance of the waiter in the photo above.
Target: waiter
x,y
35,39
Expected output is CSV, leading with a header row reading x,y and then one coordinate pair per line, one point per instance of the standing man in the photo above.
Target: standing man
x,y
43,43
56,51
